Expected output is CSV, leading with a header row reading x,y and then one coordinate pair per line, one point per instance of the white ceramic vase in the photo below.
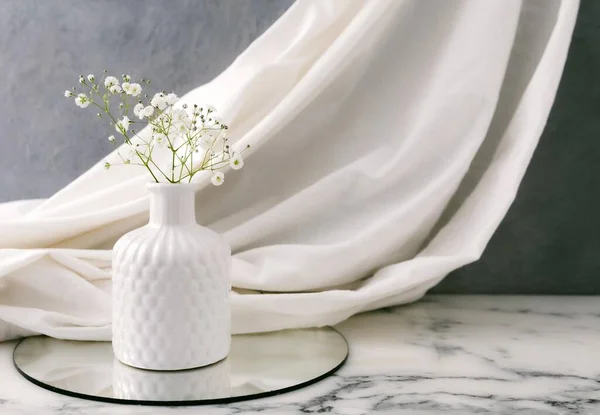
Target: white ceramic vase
x,y
171,287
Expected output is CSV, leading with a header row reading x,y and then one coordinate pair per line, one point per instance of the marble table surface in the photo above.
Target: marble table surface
x,y
443,355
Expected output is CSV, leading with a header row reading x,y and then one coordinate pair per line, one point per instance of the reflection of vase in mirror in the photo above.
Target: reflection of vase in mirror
x,y
209,382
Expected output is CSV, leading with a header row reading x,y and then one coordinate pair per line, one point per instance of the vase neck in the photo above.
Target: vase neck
x,y
172,204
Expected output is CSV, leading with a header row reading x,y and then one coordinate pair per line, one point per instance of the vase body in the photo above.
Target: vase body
x,y
171,288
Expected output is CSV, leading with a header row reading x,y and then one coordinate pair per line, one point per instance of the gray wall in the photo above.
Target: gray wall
x,y
548,243
550,240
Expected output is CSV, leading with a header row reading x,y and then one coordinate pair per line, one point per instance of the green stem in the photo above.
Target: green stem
x,y
146,164
191,165
161,172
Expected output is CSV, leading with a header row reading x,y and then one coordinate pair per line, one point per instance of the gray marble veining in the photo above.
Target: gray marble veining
x,y
443,355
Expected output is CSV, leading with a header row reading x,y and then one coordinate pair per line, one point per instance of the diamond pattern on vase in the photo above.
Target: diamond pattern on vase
x,y
171,297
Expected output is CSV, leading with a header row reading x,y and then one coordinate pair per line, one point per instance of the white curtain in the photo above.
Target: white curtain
x,y
388,140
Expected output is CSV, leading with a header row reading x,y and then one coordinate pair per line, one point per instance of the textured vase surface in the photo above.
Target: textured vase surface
x,y
171,288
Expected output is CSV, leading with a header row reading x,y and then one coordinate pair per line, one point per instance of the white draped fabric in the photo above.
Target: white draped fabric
x,y
388,140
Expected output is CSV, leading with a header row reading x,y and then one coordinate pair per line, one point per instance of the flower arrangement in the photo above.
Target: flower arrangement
x,y
194,137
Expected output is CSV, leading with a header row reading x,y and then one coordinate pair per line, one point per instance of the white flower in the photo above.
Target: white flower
x,y
135,89
123,125
112,139
110,81
180,121
181,128
132,89
171,98
82,101
137,110
236,162
126,78
162,119
91,77
209,108
181,117
116,89
148,111
208,140
158,101
68,94
81,80
161,139
217,178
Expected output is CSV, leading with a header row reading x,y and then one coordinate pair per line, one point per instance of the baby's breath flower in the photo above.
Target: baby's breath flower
x,y
217,178
181,128
132,89
137,110
201,130
123,125
236,162
135,90
158,101
171,98
82,101
110,81
148,111
161,139
207,140
181,117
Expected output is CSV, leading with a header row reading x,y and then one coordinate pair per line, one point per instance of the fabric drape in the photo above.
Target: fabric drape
x,y
388,139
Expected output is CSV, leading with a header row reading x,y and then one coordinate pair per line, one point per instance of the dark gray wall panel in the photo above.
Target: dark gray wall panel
x,y
549,243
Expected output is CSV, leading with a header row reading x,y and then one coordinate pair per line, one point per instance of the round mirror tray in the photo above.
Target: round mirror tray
x,y
258,365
